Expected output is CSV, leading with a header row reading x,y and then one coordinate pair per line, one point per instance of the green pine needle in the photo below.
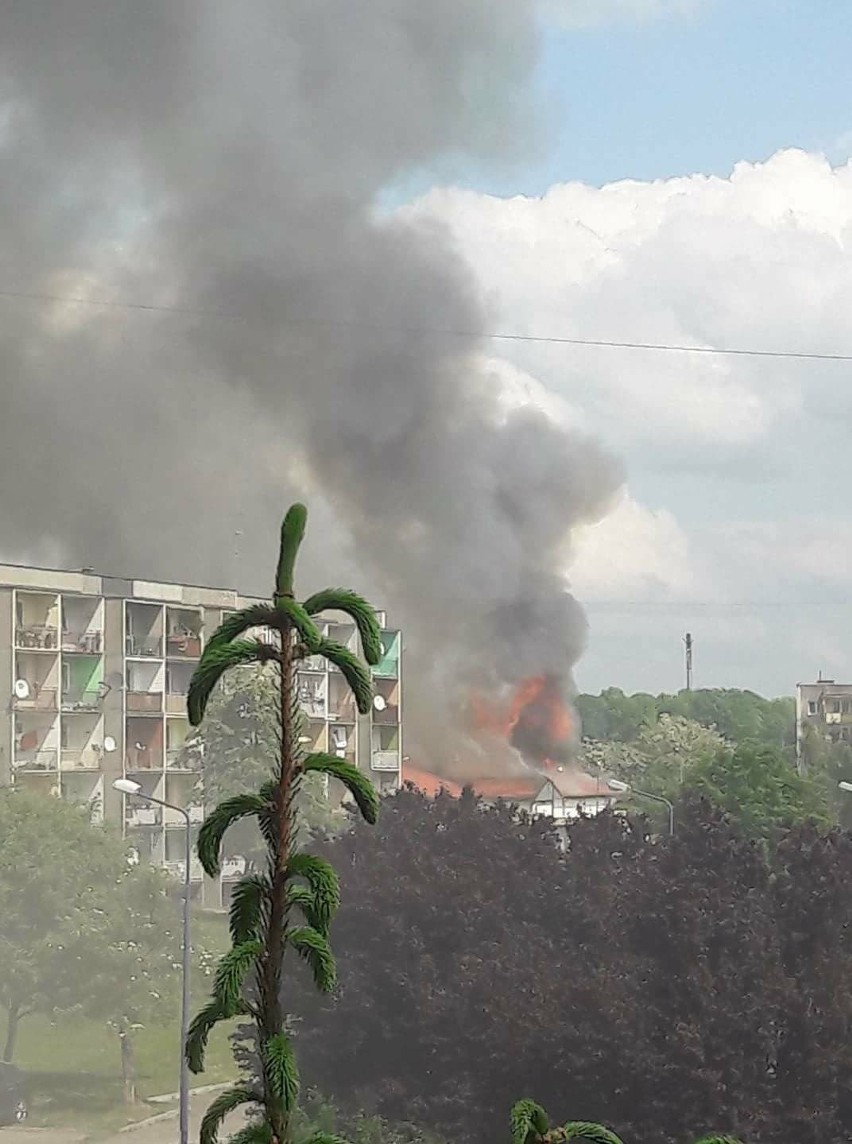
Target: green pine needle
x,y
594,1133
199,1033
321,1137
314,948
357,608
358,785
255,616
224,1103
216,659
297,617
253,1134
353,670
232,971
281,1071
528,1118
248,908
292,535
324,887
718,1140
218,821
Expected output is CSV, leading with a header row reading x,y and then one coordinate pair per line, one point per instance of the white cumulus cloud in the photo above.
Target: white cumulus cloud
x,y
744,458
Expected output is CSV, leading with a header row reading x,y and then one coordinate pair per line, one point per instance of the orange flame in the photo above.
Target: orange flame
x,y
535,718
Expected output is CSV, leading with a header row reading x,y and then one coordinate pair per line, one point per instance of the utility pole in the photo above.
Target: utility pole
x,y
688,643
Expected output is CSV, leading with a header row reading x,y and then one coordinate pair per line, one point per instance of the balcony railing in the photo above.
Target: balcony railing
x,y
82,760
313,663
144,701
176,703
313,708
144,646
85,643
177,868
387,717
180,646
38,760
385,760
81,701
144,816
388,668
143,761
39,699
37,637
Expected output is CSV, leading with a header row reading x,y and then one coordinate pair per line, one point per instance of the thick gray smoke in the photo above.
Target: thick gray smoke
x,y
222,161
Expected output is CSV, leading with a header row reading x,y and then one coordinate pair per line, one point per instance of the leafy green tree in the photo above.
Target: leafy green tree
x,y
83,929
738,716
760,789
264,917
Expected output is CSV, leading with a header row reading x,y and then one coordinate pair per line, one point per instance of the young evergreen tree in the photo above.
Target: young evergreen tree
x,y
531,1125
289,907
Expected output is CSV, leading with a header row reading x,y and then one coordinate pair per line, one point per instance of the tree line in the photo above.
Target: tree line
x,y
660,986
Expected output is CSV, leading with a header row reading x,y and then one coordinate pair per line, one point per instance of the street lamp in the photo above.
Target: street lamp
x,y
626,788
129,787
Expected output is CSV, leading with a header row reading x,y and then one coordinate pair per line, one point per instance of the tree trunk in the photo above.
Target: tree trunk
x,y
271,991
128,1064
13,1019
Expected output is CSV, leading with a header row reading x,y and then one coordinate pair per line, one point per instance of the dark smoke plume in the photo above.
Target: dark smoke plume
x,y
222,161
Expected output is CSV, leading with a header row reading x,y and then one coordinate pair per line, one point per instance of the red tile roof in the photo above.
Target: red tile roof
x,y
569,783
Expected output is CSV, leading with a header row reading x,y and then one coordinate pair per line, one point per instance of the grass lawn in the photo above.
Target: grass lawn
x,y
73,1066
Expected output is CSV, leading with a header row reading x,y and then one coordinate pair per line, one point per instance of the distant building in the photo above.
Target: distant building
x,y
563,795
826,708
94,673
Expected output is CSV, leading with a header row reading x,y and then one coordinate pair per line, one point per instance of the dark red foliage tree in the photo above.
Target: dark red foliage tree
x,y
664,988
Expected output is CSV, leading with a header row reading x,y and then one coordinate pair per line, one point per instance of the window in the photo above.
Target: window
x,y
812,707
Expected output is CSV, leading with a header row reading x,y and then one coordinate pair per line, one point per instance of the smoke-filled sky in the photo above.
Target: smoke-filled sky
x,y
234,167
221,162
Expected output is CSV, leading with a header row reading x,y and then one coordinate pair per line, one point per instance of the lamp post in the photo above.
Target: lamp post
x,y
129,787
626,788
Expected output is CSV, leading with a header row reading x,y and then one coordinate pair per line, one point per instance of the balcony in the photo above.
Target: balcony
x,y
144,647
37,637
175,818
37,760
144,816
313,663
343,710
142,760
182,646
175,703
39,699
385,760
85,700
144,702
182,759
388,717
313,708
177,868
82,643
86,759
388,668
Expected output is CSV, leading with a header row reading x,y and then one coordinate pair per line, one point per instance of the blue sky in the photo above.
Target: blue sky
x,y
733,473
736,79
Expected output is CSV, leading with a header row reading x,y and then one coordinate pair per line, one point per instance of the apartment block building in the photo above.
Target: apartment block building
x,y
95,672
823,708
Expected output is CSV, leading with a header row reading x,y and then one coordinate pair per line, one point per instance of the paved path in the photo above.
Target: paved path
x,y
159,1131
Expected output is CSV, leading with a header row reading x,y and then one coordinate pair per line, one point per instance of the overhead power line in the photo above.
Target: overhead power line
x,y
426,331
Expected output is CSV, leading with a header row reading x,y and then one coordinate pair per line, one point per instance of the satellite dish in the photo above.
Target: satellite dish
x,y
379,702
22,689
109,744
